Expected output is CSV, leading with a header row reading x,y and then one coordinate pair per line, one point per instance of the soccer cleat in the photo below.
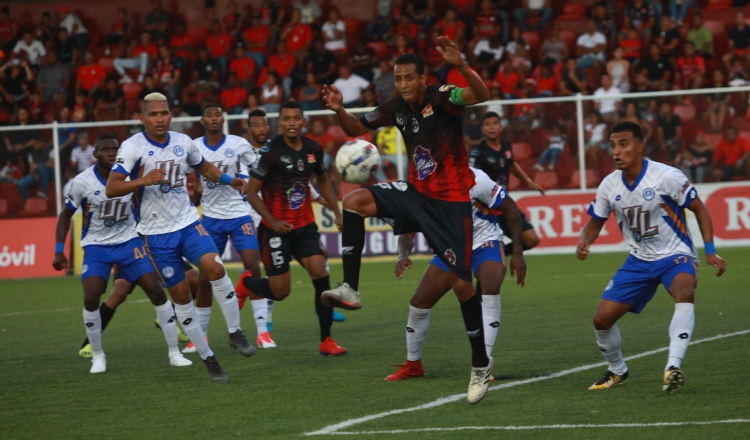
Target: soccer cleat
x,y
337,317
181,336
264,341
479,383
190,348
342,296
238,341
608,380
329,347
98,365
215,371
86,351
673,379
178,360
409,370
240,290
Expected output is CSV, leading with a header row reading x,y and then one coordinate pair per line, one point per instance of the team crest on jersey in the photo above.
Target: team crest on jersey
x,y
423,162
229,152
210,185
301,165
168,272
311,158
165,187
285,159
617,199
427,111
178,151
649,194
446,87
400,120
265,149
414,125
150,153
450,255
97,192
296,195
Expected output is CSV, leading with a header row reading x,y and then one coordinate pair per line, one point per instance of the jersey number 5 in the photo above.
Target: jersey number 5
x,y
640,222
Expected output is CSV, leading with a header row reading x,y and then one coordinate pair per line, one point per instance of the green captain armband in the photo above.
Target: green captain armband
x,y
456,97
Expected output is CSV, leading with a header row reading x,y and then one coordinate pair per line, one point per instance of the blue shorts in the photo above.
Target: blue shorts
x,y
636,281
166,251
130,257
489,251
241,230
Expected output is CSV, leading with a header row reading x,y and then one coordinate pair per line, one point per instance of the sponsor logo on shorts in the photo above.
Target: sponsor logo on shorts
x,y
649,194
450,255
401,186
609,285
168,272
229,152
274,242
178,151
84,269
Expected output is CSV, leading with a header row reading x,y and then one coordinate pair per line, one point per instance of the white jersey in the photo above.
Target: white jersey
x,y
105,220
164,208
222,201
651,212
485,195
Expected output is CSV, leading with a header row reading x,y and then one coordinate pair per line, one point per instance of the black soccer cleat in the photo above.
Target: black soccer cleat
x,y
215,371
238,341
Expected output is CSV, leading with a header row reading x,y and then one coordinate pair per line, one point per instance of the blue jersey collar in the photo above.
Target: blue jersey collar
x,y
205,142
99,176
632,187
157,144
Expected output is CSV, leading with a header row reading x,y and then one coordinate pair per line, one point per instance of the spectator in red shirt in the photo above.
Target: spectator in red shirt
x,y
140,55
545,78
8,30
218,43
507,79
119,32
233,20
319,134
404,28
691,69
167,72
731,157
282,63
296,34
451,26
243,67
233,96
90,75
182,44
257,40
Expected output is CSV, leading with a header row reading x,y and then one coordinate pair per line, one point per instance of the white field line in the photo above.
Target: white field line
x,y
533,427
63,309
332,429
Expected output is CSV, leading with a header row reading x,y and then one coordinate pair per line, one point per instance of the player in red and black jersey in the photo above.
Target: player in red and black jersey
x,y
436,198
288,227
494,156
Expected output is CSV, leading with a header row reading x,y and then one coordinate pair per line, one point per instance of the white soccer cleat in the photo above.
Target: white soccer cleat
x,y
264,341
98,365
479,383
190,348
343,296
178,360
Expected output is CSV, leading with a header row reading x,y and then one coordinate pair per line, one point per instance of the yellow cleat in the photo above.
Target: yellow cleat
x,y
673,379
85,352
609,380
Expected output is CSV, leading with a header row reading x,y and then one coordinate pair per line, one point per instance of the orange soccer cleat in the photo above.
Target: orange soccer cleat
x,y
329,347
240,290
409,370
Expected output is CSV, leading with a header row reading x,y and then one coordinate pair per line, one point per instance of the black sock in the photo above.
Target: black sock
x,y
472,313
325,313
509,248
260,287
106,314
479,290
352,243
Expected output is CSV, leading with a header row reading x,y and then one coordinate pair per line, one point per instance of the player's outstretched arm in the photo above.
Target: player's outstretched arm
x,y
517,263
210,172
405,246
477,91
117,186
589,234
707,231
523,177
326,191
61,232
350,123
257,203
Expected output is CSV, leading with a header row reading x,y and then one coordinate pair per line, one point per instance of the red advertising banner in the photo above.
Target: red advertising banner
x,y
27,247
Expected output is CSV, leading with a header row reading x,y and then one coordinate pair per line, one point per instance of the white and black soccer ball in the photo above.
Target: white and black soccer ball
x,y
357,161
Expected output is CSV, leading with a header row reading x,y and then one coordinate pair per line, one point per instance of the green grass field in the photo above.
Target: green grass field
x,y
47,392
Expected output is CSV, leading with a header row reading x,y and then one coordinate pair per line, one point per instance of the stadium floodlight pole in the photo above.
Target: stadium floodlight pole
x,y
58,173
581,141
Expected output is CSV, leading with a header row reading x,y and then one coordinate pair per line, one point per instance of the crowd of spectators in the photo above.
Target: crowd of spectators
x,y
259,56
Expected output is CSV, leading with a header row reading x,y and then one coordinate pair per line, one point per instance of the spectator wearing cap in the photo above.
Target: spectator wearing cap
x,y
32,49
167,72
157,21
82,155
590,47
350,86
8,29
533,8
296,35
257,39
739,41
701,37
690,69
108,101
218,43
78,33
333,32
309,10
282,63
53,80
243,67
731,157
141,53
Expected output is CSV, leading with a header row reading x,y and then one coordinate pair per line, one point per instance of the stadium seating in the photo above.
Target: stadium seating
x,y
546,179
521,150
686,112
573,11
108,64
34,207
513,183
380,48
717,5
592,179
4,211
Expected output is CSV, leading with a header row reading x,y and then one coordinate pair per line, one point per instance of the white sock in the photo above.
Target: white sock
x,y
269,315
260,311
609,342
168,324
224,294
416,330
680,331
204,316
491,319
189,320
93,323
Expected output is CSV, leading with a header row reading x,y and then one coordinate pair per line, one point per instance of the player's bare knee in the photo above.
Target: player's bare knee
x,y
91,302
530,239
357,201
602,322
464,290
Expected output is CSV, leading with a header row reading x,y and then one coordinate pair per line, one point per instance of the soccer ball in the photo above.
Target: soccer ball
x,y
357,161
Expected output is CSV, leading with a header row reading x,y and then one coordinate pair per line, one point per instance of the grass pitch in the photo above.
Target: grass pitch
x,y
46,390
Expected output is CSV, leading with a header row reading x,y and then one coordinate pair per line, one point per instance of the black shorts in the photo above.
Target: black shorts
x,y
277,250
447,226
502,219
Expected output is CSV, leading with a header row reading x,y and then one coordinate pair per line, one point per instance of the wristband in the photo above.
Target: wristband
x,y
225,179
710,248
59,248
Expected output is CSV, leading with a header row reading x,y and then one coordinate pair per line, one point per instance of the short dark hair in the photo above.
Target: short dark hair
x,y
208,106
292,105
410,58
489,115
631,127
257,113
104,137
